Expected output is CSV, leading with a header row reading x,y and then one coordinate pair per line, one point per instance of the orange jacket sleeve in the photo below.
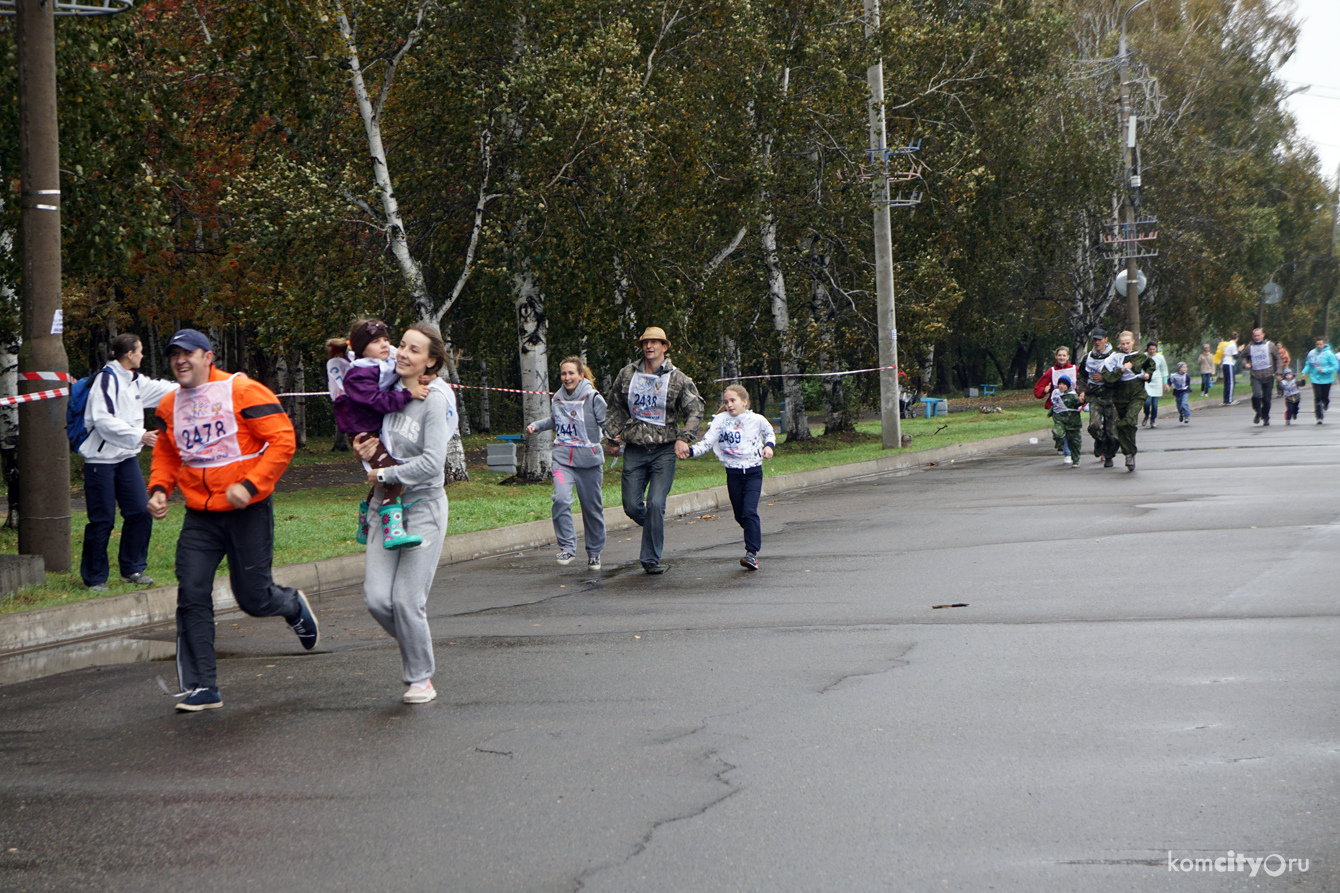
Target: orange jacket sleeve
x,y
262,417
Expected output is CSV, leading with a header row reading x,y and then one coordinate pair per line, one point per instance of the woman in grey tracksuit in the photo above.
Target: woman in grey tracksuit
x,y
576,416
397,581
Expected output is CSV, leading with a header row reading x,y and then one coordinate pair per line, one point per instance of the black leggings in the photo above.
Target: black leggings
x,y
1321,399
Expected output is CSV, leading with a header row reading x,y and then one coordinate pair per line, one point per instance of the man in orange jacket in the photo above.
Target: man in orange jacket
x,y
225,441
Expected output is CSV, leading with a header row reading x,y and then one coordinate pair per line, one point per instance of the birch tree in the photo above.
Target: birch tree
x,y
390,218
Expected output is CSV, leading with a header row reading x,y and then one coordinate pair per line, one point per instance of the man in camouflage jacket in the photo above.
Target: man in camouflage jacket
x,y
1127,371
1099,394
648,397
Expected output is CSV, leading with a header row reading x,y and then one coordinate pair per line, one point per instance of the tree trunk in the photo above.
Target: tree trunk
x,y
453,376
533,358
299,412
485,424
1018,370
455,469
290,378
730,359
795,424
824,315
9,429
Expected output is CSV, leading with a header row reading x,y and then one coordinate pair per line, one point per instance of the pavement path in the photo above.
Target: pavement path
x,y
1144,673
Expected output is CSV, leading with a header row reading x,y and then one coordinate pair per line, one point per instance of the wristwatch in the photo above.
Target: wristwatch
x,y
381,475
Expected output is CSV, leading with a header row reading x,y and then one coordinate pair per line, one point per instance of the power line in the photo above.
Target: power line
x,y
1165,64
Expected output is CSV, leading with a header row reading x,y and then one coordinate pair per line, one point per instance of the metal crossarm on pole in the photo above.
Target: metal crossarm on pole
x,y
106,7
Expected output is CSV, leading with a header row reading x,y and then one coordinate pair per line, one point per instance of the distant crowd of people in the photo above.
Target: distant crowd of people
x,y
1121,388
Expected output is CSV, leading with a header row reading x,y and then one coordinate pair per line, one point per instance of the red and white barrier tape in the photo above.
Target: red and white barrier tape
x,y
37,395
475,387
459,387
807,374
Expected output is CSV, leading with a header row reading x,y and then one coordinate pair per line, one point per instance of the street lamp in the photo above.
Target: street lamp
x,y
44,454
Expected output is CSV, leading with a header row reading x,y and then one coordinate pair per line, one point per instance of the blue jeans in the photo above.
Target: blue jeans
x,y
648,475
1183,399
745,485
1206,382
1152,409
106,486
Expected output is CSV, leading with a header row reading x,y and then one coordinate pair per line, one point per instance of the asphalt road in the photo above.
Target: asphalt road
x,y
1144,674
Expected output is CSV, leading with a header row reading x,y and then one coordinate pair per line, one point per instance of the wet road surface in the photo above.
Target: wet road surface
x,y
1145,672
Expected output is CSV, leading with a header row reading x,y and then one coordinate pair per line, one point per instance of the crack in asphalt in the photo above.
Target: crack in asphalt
x,y
889,664
718,775
724,768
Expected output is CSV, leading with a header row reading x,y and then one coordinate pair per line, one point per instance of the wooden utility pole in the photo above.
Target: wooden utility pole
x,y
44,454
1335,261
1130,176
889,414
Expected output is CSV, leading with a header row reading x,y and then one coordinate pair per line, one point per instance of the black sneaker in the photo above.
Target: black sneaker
x,y
198,699
656,569
749,561
593,562
1256,419
140,579
305,626
1107,463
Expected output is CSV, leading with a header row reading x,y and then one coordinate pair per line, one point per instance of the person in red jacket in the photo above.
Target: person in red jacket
x,y
224,440
1061,368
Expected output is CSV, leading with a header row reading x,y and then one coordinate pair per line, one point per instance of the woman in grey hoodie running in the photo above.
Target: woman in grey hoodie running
x,y
397,582
577,416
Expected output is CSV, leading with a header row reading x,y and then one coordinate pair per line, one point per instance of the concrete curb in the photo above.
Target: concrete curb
x,y
63,624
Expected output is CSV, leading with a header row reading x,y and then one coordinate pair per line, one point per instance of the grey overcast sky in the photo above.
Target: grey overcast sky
x,y
1315,62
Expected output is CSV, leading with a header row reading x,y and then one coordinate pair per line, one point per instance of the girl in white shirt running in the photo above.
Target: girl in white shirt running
x,y
742,440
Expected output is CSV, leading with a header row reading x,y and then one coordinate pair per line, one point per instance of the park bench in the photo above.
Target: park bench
x,y
989,390
935,406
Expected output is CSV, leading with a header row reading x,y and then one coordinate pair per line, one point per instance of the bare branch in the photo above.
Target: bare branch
x,y
394,61
486,157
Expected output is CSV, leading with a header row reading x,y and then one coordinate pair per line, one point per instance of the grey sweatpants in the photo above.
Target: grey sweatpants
x,y
587,481
397,582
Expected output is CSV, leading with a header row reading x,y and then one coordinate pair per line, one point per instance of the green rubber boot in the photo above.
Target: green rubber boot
x,y
362,536
393,527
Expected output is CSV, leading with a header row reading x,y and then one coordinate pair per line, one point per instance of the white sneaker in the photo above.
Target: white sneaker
x,y
420,692
564,558
1065,460
593,563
